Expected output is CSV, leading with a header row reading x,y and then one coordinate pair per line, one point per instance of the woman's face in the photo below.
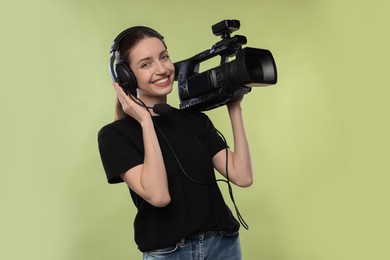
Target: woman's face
x,y
153,68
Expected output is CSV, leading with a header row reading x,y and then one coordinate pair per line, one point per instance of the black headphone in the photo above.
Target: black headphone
x,y
119,70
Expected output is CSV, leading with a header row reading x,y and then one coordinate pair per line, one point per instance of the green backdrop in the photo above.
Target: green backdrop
x,y
319,138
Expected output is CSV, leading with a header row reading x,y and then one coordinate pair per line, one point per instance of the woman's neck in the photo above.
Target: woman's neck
x,y
151,101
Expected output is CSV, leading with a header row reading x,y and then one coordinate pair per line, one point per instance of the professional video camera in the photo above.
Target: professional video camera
x,y
231,80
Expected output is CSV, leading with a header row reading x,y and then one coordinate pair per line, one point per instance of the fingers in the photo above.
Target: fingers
x,y
129,105
125,101
123,98
119,92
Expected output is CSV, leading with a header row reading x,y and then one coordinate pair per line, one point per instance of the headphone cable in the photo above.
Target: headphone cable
x,y
227,181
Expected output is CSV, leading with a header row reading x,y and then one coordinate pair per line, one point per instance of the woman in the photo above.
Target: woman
x,y
168,161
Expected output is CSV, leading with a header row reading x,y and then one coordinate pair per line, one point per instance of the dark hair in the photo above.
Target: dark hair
x,y
132,37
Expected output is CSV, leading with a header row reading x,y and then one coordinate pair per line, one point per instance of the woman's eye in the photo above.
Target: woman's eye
x,y
165,57
145,65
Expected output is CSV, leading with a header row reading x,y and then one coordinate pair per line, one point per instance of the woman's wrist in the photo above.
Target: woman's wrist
x,y
234,107
146,122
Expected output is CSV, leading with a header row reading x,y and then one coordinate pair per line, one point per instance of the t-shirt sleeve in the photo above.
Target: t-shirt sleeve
x,y
118,154
215,141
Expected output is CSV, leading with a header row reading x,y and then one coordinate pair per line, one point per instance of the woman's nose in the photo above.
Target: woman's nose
x,y
161,68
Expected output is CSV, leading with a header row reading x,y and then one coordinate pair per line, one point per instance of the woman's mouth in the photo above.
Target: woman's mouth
x,y
162,82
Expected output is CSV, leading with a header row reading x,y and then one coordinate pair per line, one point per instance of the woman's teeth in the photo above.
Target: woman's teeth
x,y
161,81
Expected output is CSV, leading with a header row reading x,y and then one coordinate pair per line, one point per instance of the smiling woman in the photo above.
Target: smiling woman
x,y
168,161
319,140
123,67
153,70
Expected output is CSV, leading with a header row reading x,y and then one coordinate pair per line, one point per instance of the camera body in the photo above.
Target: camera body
x,y
220,85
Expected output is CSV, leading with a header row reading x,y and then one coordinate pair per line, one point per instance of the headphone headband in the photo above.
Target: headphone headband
x,y
123,34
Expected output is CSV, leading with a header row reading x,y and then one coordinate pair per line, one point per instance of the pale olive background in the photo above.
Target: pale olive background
x,y
319,138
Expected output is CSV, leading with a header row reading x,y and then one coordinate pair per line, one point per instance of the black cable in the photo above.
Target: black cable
x,y
239,216
178,161
140,103
227,181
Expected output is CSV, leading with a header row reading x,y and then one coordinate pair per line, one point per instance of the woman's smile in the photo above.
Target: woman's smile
x,y
162,82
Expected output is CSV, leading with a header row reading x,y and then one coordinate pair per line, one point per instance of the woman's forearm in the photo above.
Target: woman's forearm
x,y
149,180
153,175
240,160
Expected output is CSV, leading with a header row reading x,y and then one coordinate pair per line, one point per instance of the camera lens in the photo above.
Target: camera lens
x,y
254,67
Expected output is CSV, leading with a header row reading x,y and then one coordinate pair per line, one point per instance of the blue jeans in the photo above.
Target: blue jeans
x,y
203,246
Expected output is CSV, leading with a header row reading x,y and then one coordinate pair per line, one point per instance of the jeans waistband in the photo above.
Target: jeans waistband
x,y
198,235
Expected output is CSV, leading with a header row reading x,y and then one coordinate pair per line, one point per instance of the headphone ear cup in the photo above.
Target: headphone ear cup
x,y
126,78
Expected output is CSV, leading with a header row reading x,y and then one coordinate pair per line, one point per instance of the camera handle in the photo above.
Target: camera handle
x,y
227,47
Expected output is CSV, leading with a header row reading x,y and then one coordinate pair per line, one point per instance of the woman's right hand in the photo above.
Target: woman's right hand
x,y
130,107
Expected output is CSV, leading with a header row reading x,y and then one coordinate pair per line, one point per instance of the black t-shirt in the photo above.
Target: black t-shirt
x,y
187,140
